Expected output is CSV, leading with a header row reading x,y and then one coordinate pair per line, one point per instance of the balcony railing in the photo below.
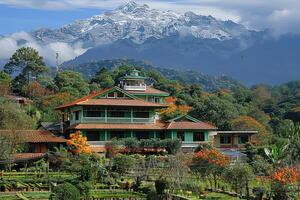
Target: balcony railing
x,y
117,120
141,87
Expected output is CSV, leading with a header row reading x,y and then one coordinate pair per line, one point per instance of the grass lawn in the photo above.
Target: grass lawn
x,y
209,196
29,195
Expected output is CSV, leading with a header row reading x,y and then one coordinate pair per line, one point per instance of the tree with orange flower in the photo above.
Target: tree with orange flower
x,y
78,144
173,110
283,180
210,163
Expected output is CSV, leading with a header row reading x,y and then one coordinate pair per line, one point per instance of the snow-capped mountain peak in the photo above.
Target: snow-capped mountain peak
x,y
139,23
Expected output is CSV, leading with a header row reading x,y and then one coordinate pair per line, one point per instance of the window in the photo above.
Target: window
x,y
242,139
141,114
93,112
180,135
142,135
111,95
116,114
225,139
157,100
117,134
77,115
120,95
93,136
198,136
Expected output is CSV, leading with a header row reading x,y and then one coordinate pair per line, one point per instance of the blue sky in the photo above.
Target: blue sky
x,y
15,19
22,15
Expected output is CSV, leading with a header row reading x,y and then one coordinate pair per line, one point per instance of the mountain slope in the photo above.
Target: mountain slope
x,y
139,23
209,83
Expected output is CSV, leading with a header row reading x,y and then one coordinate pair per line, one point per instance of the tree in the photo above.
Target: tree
x,y
12,117
104,78
217,110
5,83
71,82
211,163
249,123
122,163
28,62
239,177
65,191
78,144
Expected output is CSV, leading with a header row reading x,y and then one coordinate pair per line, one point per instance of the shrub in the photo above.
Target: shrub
x,y
85,189
172,145
86,173
65,191
161,185
130,143
123,162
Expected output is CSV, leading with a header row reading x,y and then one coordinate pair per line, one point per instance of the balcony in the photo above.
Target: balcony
x,y
141,87
117,120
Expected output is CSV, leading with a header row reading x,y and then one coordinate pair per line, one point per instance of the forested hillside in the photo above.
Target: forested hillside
x,y
208,83
267,109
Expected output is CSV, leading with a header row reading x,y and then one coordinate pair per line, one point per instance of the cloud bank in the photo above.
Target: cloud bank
x,y
22,39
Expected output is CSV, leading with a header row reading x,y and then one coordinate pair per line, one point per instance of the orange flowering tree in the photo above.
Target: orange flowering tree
x,y
249,123
283,178
174,110
210,163
78,144
286,175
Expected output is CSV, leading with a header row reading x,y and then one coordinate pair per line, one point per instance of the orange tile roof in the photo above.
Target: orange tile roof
x,y
156,126
33,136
88,100
98,149
93,94
149,90
120,102
188,125
27,156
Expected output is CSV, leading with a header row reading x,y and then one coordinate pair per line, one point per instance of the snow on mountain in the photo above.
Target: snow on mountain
x,y
139,23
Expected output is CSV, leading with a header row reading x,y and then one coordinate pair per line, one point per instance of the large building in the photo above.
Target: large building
x,y
131,110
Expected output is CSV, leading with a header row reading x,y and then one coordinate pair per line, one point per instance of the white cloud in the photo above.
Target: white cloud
x,y
66,51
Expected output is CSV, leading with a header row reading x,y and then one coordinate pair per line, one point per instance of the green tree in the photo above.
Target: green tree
x,y
28,63
65,191
104,78
122,163
12,117
5,83
71,82
239,177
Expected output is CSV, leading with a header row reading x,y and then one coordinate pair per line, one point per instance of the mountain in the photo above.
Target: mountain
x,y
209,83
139,23
172,40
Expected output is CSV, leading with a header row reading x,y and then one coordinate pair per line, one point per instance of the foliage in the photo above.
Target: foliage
x,y
212,157
78,144
122,163
13,117
210,163
65,191
276,153
161,185
173,110
172,145
5,83
71,82
103,78
84,189
239,176
249,123
286,175
28,62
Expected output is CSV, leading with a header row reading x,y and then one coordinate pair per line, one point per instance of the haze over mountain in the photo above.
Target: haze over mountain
x,y
170,39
